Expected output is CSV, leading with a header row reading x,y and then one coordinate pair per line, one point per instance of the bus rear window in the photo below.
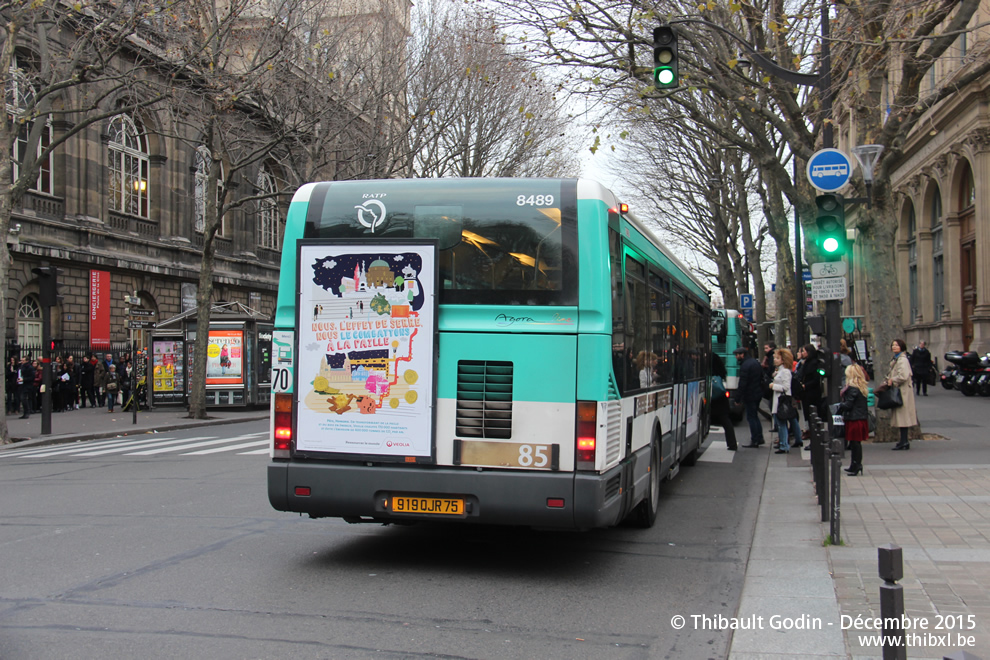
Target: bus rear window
x,y
507,241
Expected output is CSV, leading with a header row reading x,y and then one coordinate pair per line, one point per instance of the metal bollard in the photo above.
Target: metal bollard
x,y
836,465
823,471
890,564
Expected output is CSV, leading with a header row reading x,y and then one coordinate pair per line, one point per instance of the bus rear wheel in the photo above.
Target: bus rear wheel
x,y
645,513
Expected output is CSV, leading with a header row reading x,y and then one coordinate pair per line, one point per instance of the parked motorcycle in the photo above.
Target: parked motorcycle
x,y
948,377
970,369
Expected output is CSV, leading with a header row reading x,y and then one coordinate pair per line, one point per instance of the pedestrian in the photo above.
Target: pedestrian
x,y
12,402
25,384
750,392
768,368
111,385
720,402
899,376
921,368
73,369
855,416
811,389
102,367
787,425
37,393
87,374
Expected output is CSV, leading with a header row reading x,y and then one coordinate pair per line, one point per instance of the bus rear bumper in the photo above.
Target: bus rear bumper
x,y
358,493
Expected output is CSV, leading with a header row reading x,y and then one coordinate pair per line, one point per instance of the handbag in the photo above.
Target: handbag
x,y
889,398
718,387
785,408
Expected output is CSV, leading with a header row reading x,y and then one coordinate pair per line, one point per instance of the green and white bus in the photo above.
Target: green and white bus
x,y
504,351
731,330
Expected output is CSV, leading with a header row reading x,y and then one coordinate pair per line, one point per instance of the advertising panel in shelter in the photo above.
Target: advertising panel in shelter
x,y
225,358
366,319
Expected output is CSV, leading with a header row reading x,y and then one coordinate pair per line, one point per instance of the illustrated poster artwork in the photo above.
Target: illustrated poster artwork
x,y
365,363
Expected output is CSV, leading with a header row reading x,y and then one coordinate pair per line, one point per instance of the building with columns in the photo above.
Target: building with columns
x,y
942,192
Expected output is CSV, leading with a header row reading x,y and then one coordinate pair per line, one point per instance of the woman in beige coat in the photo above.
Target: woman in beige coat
x,y
899,376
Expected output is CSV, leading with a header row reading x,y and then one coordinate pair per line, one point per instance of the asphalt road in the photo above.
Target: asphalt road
x,y
131,552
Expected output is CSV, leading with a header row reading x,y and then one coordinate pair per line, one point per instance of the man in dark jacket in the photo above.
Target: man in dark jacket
x,y
25,382
921,368
751,392
812,392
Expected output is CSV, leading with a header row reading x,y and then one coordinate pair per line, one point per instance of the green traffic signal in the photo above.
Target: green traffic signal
x,y
665,57
831,223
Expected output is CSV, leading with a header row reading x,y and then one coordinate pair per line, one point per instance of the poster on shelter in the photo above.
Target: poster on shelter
x,y
366,320
225,358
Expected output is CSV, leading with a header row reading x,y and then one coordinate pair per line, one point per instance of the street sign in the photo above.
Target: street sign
x,y
137,311
748,314
829,170
140,325
829,288
829,269
746,300
132,300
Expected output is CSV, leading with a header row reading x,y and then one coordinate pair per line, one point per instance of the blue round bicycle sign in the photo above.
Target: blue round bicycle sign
x,y
829,170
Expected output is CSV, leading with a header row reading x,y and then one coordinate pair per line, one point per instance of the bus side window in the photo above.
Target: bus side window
x,y
638,328
619,350
659,325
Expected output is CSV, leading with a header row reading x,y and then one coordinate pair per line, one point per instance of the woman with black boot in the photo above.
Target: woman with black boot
x,y
899,376
855,415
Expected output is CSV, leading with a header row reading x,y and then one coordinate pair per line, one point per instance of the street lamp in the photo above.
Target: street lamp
x,y
868,155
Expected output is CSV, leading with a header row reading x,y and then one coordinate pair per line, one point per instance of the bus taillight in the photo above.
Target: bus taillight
x,y
283,424
587,430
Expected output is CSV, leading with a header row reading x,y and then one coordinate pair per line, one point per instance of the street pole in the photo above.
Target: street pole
x,y
799,294
833,326
46,370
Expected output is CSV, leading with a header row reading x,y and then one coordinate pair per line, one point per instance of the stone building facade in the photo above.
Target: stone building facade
x,y
120,207
942,188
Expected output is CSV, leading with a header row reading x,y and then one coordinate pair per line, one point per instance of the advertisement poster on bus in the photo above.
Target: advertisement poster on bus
x,y
364,365
225,358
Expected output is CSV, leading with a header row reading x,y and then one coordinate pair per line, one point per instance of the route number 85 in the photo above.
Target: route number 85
x,y
534,455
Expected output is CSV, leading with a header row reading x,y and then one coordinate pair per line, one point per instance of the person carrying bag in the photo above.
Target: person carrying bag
x,y
784,413
899,378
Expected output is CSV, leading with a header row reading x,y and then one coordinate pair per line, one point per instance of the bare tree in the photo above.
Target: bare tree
x,y
66,62
477,108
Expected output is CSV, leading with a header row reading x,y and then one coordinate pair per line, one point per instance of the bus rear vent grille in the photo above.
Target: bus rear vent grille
x,y
613,440
484,399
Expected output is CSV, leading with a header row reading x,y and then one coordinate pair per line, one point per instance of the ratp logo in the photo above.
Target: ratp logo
x,y
375,210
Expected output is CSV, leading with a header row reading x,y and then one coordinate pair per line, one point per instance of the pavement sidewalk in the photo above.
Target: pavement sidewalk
x,y
92,423
931,501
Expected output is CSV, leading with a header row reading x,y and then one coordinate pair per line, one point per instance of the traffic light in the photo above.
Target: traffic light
x,y
831,221
665,58
47,285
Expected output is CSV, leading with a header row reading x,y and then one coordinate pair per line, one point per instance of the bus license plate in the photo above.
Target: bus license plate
x,y
432,505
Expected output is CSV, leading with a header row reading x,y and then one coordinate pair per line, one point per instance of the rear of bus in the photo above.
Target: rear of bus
x,y
510,422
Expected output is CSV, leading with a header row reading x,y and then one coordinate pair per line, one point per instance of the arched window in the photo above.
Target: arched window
x,y
20,100
268,220
202,172
128,167
29,322
938,266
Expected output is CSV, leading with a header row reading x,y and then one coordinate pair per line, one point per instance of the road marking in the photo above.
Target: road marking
x,y
256,443
136,445
77,447
180,448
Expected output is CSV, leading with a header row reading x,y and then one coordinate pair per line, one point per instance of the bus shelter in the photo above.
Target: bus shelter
x,y
239,357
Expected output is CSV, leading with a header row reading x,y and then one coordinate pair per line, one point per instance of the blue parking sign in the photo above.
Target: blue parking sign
x,y
829,170
746,300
